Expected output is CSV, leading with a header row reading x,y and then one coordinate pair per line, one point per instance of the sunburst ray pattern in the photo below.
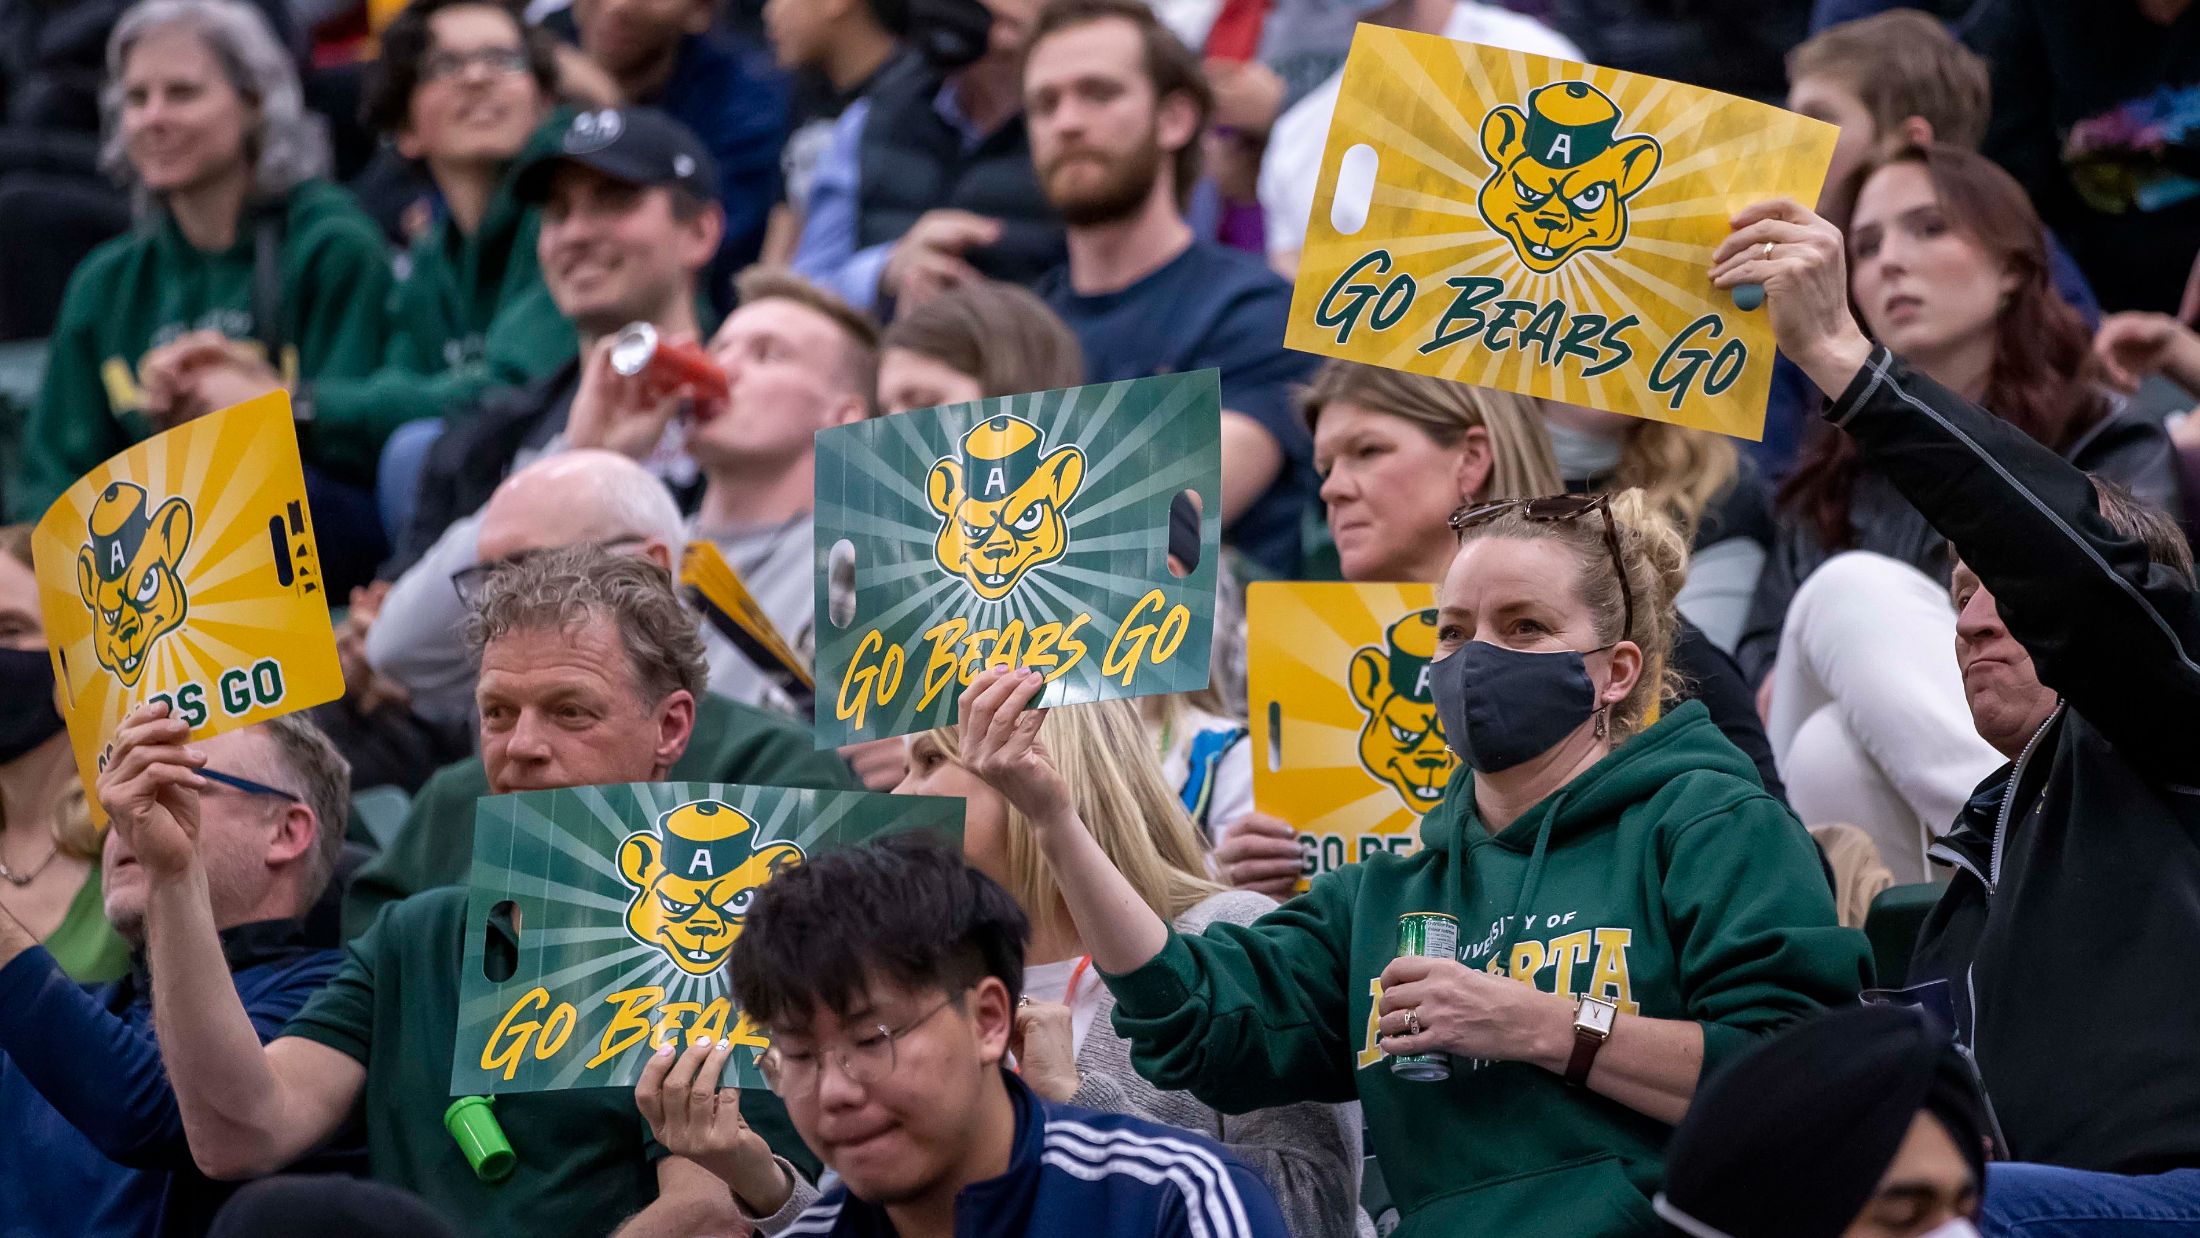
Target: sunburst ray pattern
x,y
1143,442
606,993
1341,771
1443,119
238,614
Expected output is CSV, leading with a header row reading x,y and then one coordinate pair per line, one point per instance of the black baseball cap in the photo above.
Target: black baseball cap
x,y
638,145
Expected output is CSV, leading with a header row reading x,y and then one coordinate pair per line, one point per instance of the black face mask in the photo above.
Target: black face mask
x,y
27,715
1501,706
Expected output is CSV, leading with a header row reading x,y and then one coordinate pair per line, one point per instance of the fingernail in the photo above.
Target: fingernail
x,y
194,754
665,1052
725,1044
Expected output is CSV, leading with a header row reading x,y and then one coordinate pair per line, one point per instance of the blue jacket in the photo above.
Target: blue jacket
x,y
91,1142
1073,1171
736,100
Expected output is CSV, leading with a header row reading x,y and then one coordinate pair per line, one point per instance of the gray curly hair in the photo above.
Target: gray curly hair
x,y
566,588
287,145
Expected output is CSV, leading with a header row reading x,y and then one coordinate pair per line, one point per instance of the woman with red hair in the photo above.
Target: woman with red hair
x,y
1864,705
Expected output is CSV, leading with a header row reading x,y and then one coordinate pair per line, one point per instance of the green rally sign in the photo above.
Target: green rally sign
x,y
1030,530
601,918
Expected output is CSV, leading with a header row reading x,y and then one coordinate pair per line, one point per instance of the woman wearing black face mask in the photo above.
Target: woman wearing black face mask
x,y
1633,908
49,856
1398,453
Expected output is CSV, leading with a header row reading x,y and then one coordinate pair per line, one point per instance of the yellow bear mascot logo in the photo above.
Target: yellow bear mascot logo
x,y
1562,174
695,878
1000,504
126,574
1401,744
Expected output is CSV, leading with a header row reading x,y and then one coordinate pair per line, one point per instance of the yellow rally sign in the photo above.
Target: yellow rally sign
x,y
1515,221
185,570
1346,745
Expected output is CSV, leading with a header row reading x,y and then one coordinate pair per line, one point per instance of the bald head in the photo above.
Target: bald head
x,y
578,497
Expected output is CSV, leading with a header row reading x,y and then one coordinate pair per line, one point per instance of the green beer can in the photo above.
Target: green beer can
x,y
1425,935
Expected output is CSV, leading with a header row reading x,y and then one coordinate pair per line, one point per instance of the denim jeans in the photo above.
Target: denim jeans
x,y
2044,1201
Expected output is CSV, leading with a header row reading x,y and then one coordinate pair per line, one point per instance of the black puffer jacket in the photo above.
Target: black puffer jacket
x,y
2072,927
2123,447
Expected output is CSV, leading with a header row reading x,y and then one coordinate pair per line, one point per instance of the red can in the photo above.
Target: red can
x,y
669,365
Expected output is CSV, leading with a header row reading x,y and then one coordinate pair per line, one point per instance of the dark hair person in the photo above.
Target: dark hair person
x,y
1948,268
890,978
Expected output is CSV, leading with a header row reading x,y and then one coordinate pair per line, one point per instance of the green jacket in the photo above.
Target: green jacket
x,y
149,286
471,313
435,846
1664,879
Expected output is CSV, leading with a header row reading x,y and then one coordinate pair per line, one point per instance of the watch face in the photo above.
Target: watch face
x,y
1596,1017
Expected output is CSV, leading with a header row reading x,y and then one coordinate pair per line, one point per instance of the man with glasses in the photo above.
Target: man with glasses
x,y
590,673
577,498
888,976
94,1143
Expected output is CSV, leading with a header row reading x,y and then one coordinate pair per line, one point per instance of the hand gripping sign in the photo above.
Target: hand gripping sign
x,y
184,570
1546,227
1346,745
1045,530
600,920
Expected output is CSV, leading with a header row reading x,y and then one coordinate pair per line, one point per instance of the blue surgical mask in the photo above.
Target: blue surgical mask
x,y
1582,457
1502,706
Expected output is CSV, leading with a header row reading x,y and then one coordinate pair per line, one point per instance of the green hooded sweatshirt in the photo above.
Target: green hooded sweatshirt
x,y
471,313
151,285
1663,879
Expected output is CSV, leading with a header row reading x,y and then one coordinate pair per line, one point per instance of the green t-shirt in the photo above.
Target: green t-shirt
x,y
84,944
585,1161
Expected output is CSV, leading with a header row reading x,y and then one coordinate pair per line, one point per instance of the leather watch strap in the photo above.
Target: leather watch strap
x,y
1578,1066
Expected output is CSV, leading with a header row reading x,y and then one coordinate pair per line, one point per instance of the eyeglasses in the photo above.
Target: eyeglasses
x,y
1557,509
466,582
866,1062
250,787
499,61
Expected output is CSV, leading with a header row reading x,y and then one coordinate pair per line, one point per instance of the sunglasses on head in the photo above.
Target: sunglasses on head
x,y
1557,509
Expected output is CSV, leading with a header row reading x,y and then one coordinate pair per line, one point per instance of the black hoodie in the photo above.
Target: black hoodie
x,y
2071,929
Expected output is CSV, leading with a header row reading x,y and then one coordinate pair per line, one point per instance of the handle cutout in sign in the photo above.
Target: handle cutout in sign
x,y
840,584
500,942
1184,534
1355,189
